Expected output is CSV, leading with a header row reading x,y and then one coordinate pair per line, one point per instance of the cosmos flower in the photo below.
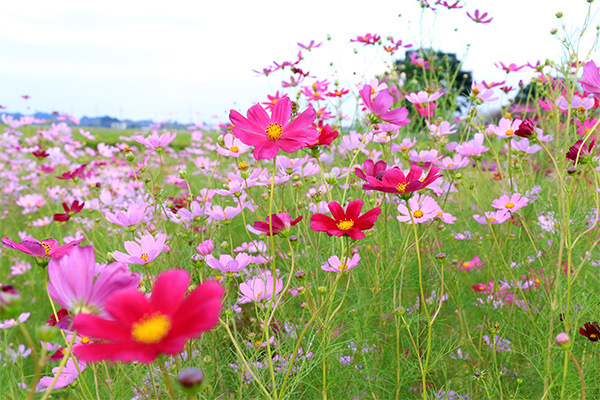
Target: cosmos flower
x,y
143,250
513,203
423,208
280,223
70,211
581,153
259,288
130,217
67,376
472,148
335,264
269,134
156,141
591,330
226,263
206,247
395,181
494,217
372,169
74,284
591,79
47,248
349,223
479,18
139,329
380,107
75,175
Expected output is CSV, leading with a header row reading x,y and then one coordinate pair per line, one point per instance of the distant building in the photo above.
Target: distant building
x,y
118,125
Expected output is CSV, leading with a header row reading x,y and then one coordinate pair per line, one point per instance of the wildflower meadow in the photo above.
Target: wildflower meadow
x,y
438,241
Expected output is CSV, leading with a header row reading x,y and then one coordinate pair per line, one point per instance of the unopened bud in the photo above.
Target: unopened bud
x,y
10,301
562,339
221,140
129,156
191,380
300,274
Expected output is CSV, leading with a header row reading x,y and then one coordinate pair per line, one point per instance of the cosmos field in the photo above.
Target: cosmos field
x,y
440,243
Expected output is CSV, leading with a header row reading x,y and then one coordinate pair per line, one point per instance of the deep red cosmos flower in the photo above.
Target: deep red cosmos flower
x,y
75,208
526,128
578,153
372,169
591,330
75,175
140,329
394,180
281,222
349,223
40,153
269,134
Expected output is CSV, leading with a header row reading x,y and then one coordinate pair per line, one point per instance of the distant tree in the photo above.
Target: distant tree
x,y
431,70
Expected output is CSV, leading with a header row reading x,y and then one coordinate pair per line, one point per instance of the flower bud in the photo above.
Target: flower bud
x,y
46,333
191,380
221,140
206,247
10,301
300,274
562,339
183,173
559,15
293,238
440,256
129,156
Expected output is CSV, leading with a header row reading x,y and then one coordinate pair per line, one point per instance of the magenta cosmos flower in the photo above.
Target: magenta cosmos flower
x,y
380,107
269,134
140,329
349,223
591,79
47,248
143,250
395,181
73,282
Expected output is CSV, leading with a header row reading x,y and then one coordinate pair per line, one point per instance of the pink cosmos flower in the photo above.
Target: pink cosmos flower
x,y
334,264
156,141
269,134
591,79
309,46
259,288
67,376
577,103
523,145
479,18
223,214
472,148
139,329
206,247
47,248
423,208
506,128
30,202
494,217
75,285
142,250
232,147
482,94
587,126
226,263
134,214
455,162
406,144
380,107
423,97
444,128
369,38
512,204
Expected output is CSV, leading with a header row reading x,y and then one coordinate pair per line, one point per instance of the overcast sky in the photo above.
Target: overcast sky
x,y
193,60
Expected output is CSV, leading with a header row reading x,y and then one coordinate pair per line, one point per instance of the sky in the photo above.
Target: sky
x,y
193,61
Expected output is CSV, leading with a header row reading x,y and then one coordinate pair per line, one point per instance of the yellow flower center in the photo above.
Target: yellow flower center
x,y
85,340
466,264
343,267
418,214
492,219
234,149
144,257
508,115
450,165
46,249
440,214
510,132
593,336
274,131
345,225
476,91
151,328
243,165
401,187
581,108
509,205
